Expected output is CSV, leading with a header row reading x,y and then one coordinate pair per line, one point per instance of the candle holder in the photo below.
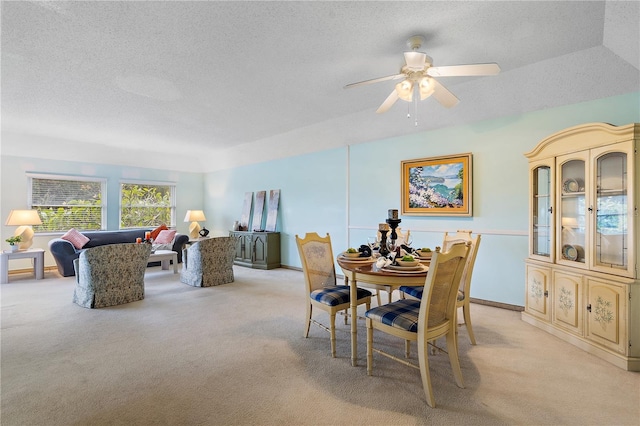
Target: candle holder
x,y
383,243
393,224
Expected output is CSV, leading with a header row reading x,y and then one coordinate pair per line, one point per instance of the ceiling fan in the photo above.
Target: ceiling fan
x,y
418,78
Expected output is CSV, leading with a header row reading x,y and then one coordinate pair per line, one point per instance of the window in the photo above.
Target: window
x,y
66,202
144,205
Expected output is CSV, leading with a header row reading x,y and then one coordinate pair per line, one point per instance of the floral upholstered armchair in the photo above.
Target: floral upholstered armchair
x,y
208,262
110,275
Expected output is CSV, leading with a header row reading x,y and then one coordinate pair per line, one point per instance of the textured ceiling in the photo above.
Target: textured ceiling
x,y
208,85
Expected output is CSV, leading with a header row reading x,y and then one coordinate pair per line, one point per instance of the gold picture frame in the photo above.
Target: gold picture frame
x,y
437,186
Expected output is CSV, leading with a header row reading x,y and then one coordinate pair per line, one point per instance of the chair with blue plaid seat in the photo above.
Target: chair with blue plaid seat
x,y
463,298
319,272
424,320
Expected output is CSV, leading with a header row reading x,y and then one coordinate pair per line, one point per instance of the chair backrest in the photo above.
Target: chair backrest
x,y
211,254
112,257
317,260
438,303
464,236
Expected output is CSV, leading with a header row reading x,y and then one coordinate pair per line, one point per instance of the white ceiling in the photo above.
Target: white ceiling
x,y
209,85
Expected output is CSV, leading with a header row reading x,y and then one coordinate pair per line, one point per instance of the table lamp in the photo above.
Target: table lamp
x,y
194,216
23,219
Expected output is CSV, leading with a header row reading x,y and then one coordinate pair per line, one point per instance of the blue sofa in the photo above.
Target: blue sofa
x,y
65,253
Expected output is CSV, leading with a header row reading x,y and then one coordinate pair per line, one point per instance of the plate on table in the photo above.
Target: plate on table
x,y
355,259
406,269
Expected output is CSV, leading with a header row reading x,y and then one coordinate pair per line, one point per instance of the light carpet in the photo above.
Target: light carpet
x,y
235,355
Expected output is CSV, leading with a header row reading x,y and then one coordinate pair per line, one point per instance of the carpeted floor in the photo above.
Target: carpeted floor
x,y
235,355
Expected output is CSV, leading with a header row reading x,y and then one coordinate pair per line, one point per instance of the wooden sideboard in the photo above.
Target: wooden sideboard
x,y
258,250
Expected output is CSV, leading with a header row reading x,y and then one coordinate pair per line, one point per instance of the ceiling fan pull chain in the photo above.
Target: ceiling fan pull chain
x,y
415,105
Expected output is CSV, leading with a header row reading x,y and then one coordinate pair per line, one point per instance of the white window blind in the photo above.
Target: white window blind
x,y
67,202
144,205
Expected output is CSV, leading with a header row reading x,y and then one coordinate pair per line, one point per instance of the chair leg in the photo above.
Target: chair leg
x,y
346,316
466,312
407,348
308,320
369,348
452,348
423,360
390,292
333,334
378,297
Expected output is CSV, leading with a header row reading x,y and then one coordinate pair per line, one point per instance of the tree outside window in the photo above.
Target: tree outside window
x,y
65,202
146,205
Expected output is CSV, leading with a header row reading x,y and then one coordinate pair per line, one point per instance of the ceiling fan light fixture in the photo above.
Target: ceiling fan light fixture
x,y
419,74
427,87
405,90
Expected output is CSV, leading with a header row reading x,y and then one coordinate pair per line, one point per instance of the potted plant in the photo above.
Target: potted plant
x,y
13,242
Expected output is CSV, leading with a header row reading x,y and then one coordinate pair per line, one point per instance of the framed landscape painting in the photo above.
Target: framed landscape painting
x,y
437,186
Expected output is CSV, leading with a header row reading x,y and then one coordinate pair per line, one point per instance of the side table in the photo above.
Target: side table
x,y
38,262
165,257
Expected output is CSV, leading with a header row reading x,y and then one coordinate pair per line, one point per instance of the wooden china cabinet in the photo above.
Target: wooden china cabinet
x,y
581,272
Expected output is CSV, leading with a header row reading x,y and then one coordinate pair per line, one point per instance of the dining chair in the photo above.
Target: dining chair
x,y
424,320
463,298
319,272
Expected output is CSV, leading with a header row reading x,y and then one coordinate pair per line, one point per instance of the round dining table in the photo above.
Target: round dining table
x,y
364,270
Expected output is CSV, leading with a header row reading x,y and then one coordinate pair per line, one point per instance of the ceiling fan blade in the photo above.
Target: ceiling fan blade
x,y
375,80
464,70
388,103
415,60
443,95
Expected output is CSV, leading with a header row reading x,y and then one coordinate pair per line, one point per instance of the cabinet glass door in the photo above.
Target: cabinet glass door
x,y
574,221
611,239
542,211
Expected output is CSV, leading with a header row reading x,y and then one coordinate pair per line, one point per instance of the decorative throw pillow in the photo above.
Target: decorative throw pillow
x,y
155,232
76,238
165,236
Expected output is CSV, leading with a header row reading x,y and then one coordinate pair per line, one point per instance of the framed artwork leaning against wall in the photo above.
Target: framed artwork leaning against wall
x,y
437,186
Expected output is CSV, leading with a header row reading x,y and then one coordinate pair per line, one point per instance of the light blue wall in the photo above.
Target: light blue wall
x,y
189,190
348,191
311,186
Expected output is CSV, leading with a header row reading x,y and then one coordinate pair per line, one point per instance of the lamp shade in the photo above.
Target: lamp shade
x,y
194,216
405,90
23,217
427,87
